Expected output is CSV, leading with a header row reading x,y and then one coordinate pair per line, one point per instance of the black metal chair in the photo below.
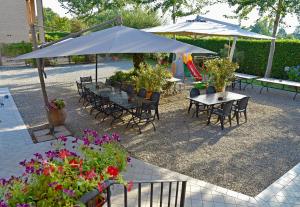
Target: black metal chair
x,y
222,113
153,103
103,103
210,90
142,93
193,93
79,90
141,116
130,90
86,96
87,79
240,107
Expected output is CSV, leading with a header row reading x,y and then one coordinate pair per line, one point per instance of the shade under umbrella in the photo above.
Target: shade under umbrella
x,y
118,39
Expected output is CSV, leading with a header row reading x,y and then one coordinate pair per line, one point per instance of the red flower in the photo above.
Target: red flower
x,y
89,175
64,153
48,170
60,169
129,186
100,188
113,171
58,187
73,163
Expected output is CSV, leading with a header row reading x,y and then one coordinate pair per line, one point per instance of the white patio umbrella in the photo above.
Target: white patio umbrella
x,y
118,39
208,27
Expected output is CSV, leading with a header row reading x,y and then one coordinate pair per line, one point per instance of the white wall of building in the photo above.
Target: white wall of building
x,y
13,21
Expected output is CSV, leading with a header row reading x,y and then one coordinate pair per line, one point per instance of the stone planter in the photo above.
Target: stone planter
x,y
148,95
57,116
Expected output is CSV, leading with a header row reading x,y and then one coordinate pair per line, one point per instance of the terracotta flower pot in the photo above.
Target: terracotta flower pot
x,y
148,95
57,116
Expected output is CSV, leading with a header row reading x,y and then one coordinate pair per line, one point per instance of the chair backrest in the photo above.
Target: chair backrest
x,y
87,79
210,90
227,108
243,103
142,93
194,92
130,89
107,82
79,87
155,97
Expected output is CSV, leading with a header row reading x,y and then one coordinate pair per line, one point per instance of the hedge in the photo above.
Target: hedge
x,y
15,49
253,54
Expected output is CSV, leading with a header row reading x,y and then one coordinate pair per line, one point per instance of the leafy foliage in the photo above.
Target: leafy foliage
x,y
151,78
15,49
121,76
255,54
60,177
221,71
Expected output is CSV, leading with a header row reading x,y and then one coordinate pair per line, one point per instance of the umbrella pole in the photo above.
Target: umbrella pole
x,y
96,78
40,67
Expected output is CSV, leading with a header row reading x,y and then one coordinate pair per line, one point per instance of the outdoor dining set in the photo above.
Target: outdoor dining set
x,y
222,104
116,100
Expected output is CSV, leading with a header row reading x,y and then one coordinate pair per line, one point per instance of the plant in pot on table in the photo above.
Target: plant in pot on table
x,y
221,72
60,177
56,112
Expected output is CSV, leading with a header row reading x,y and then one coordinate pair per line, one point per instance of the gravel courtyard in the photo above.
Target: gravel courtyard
x,y
245,158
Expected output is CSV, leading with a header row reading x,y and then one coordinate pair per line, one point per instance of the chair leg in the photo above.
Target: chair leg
x,y
190,107
229,118
222,122
209,117
197,110
156,113
245,113
237,115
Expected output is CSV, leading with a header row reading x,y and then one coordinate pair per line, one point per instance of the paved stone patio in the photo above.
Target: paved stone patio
x,y
16,144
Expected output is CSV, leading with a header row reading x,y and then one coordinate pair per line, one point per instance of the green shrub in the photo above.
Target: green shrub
x,y
121,76
53,36
253,54
15,49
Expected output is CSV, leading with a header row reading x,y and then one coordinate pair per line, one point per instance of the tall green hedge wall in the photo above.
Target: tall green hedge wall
x,y
254,54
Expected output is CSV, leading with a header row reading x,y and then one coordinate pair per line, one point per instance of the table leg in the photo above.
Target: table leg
x,y
240,82
296,92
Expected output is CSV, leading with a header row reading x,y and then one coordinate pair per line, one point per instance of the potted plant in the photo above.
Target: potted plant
x,y
221,72
56,112
151,78
62,177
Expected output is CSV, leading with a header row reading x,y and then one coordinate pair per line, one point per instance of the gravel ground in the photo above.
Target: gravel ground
x,y
245,158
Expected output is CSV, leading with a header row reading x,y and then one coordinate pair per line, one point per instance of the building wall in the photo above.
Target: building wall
x,y
13,21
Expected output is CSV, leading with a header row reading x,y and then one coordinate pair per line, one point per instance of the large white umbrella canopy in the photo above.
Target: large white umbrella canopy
x,y
118,39
207,27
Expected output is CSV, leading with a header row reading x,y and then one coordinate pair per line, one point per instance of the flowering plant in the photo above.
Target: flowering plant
x,y
57,104
293,73
60,177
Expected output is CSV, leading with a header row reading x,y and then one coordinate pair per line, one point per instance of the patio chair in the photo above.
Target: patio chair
x,y
222,113
210,90
141,115
107,82
102,104
87,79
95,102
86,96
193,93
153,103
79,90
142,93
129,90
240,107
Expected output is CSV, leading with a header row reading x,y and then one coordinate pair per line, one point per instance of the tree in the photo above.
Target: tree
x,y
296,33
275,9
53,22
181,8
262,26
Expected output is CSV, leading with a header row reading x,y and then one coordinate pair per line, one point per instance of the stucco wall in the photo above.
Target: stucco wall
x,y
13,21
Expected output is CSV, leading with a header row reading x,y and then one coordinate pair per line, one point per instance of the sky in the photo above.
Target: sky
x,y
216,11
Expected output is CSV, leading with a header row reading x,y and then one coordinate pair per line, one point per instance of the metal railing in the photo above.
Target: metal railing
x,y
180,190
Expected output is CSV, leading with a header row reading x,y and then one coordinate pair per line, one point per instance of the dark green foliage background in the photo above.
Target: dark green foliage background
x,y
255,54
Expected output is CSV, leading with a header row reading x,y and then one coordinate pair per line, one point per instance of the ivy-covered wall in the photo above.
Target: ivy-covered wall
x,y
252,55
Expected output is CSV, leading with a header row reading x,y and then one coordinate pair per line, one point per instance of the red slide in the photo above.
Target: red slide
x,y
195,73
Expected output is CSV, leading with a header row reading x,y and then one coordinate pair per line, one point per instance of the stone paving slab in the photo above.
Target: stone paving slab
x,y
16,145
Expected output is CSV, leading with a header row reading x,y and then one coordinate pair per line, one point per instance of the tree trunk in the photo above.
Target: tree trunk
x,y
272,47
137,59
1,63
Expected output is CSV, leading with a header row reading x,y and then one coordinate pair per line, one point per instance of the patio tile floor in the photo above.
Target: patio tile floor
x,y
16,145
